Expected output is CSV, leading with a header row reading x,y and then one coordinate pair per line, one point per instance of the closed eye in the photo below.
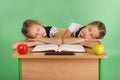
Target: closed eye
x,y
93,36
36,34
89,29
38,29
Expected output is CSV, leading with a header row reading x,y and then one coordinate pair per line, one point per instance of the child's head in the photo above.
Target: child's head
x,y
33,29
94,30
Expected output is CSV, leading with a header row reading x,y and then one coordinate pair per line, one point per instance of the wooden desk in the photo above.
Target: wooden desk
x,y
81,66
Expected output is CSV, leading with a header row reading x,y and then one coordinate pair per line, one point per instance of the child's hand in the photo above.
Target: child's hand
x,y
97,40
31,40
40,43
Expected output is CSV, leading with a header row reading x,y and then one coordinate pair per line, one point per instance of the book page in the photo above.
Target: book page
x,y
45,47
71,47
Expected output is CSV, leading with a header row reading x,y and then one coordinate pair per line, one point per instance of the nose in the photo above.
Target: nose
x,y
88,33
38,35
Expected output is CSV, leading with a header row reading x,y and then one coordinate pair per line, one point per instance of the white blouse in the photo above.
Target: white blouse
x,y
53,30
74,27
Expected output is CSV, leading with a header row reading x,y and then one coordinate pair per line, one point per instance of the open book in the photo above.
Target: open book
x,y
59,48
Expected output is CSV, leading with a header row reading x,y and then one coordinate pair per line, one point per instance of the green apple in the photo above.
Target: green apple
x,y
98,49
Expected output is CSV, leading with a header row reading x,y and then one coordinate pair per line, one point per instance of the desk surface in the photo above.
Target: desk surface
x,y
89,54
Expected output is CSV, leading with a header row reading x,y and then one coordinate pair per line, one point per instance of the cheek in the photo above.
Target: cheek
x,y
88,37
84,30
43,31
39,36
33,35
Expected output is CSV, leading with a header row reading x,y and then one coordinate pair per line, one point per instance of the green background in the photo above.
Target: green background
x,y
59,13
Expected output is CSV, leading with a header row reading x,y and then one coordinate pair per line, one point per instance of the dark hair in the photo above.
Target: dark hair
x,y
101,28
26,24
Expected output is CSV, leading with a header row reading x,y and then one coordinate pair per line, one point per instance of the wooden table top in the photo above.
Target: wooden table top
x,y
88,54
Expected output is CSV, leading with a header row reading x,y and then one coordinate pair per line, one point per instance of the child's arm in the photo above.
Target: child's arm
x,y
57,35
67,34
55,40
67,39
89,44
30,44
85,42
73,40
51,40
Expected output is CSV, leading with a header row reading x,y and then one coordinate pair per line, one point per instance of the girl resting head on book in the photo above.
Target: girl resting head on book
x,y
92,32
36,33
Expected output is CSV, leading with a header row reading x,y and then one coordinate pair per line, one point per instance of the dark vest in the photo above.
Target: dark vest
x,y
77,33
47,28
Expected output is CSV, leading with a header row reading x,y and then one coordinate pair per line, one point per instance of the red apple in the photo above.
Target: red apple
x,y
98,49
22,48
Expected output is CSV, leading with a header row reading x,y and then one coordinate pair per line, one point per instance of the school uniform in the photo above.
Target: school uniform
x,y
75,29
50,30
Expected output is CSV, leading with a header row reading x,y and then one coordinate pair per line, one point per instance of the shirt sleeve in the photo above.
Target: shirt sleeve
x,y
53,30
74,27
